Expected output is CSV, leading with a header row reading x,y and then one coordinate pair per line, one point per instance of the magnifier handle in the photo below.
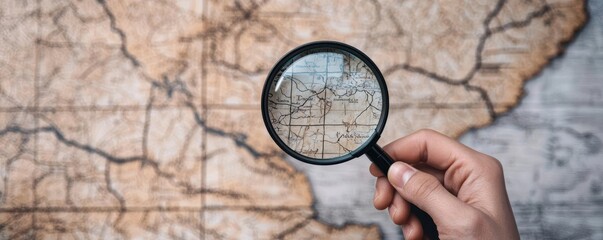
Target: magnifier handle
x,y
383,161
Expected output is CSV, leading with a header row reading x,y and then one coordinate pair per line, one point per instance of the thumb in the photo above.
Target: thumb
x,y
425,191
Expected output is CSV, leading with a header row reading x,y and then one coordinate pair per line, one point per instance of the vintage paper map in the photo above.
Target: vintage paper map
x,y
140,119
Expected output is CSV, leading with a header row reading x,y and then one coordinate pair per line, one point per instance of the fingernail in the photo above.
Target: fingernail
x,y
399,173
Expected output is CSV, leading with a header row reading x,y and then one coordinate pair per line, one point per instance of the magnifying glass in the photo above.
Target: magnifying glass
x,y
326,103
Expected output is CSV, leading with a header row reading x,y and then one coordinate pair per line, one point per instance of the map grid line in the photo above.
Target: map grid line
x,y
37,105
290,104
204,56
324,107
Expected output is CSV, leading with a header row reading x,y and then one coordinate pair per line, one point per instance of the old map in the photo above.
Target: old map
x,y
140,119
325,105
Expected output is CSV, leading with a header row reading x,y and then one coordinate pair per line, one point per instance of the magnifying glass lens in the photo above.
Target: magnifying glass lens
x,y
324,103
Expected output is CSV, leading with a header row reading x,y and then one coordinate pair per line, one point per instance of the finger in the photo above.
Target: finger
x,y
402,210
412,229
430,147
384,193
425,191
439,174
375,171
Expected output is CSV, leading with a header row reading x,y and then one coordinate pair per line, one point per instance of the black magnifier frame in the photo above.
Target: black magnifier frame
x,y
369,146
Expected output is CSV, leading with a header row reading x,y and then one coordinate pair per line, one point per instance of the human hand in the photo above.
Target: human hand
x,y
461,189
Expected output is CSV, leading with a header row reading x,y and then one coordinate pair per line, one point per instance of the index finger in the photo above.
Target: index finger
x,y
375,171
430,147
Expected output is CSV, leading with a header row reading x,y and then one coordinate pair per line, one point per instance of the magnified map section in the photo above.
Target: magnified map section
x,y
325,104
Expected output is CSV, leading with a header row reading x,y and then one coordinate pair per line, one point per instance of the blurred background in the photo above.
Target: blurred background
x,y
141,119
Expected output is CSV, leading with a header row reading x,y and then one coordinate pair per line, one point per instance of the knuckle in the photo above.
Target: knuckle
x,y
494,166
398,218
426,133
488,165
